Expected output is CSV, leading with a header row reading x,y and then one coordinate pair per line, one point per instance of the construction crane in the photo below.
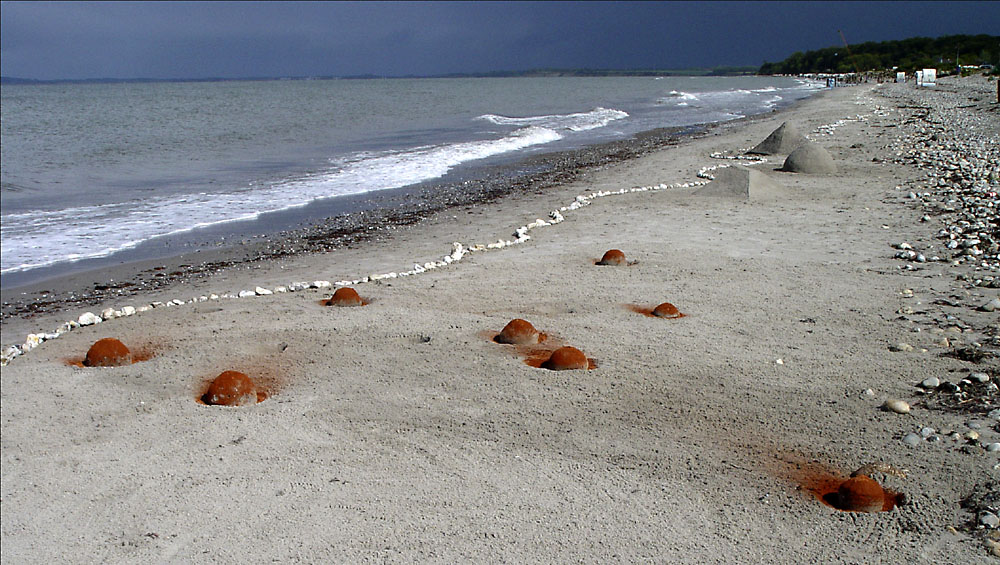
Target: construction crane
x,y
849,54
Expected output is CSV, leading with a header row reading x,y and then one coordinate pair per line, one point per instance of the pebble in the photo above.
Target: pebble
x,y
897,406
972,436
991,306
979,377
911,439
901,347
930,382
948,387
993,447
989,520
927,432
88,319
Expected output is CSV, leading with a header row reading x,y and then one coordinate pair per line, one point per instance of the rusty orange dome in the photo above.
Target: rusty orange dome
x,y
861,494
519,332
613,257
345,296
231,388
108,352
666,310
566,358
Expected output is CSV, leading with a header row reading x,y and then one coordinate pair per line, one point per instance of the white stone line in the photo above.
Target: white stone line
x,y
458,252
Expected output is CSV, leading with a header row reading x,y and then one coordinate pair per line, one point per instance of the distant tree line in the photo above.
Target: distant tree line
x,y
942,53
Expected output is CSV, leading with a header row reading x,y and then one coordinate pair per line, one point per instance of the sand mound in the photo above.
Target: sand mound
x,y
783,141
743,183
810,159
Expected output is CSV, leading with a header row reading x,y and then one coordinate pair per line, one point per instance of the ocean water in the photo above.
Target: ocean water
x,y
91,171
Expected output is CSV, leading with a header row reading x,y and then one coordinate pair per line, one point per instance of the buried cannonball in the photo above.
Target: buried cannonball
x,y
231,388
666,310
345,296
860,493
108,352
567,358
519,332
613,257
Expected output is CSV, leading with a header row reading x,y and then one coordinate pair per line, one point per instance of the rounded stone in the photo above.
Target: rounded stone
x,y
108,352
979,377
231,388
989,520
911,439
518,332
566,358
930,382
666,310
613,257
345,296
897,406
861,494
993,447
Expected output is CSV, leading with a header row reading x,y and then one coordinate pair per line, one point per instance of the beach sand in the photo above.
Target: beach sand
x,y
399,431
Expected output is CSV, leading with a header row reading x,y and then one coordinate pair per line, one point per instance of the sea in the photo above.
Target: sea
x,y
95,174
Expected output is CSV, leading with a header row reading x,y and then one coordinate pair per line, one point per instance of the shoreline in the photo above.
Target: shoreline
x,y
372,219
717,437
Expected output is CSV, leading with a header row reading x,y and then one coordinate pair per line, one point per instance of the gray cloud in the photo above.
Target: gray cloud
x,y
239,39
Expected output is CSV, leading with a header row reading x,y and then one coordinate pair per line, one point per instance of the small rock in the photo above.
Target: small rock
x,y
989,520
993,447
930,382
927,432
897,406
911,439
979,377
261,291
948,387
991,306
972,435
88,319
246,293
901,347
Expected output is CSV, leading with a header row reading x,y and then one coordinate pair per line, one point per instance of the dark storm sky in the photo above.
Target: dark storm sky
x,y
247,39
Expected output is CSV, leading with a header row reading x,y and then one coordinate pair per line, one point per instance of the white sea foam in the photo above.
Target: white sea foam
x,y
45,237
581,121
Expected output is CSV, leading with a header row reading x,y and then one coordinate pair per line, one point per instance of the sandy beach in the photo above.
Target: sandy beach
x,y
400,431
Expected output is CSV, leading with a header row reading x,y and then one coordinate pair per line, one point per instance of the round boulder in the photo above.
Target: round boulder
x,y
519,332
566,359
345,296
108,352
666,310
613,257
861,494
231,388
